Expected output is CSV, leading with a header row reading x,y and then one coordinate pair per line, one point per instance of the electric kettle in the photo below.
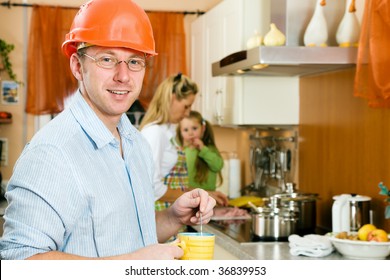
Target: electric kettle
x,y
350,212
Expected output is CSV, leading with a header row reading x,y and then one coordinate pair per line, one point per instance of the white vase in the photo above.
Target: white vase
x,y
316,33
348,31
254,41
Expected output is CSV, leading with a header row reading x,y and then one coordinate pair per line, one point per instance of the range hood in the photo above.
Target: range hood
x,y
285,61
293,59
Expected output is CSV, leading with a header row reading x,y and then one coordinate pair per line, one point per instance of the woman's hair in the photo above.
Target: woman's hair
x,y
160,106
202,169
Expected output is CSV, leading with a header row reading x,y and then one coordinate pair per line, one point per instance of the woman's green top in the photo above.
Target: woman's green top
x,y
214,161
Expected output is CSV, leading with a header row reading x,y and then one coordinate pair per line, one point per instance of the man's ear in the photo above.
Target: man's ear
x,y
75,67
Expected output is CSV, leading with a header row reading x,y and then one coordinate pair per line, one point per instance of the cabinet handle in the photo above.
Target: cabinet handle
x,y
218,106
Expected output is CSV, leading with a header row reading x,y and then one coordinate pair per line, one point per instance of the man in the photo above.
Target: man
x,y
83,188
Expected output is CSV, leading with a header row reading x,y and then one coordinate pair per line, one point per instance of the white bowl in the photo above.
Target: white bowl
x,y
356,249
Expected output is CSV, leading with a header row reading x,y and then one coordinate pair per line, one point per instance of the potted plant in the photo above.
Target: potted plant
x,y
385,191
5,63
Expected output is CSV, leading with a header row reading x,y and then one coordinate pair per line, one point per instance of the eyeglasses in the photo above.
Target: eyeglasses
x,y
135,64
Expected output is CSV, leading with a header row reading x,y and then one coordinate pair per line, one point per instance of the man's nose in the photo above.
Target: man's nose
x,y
122,72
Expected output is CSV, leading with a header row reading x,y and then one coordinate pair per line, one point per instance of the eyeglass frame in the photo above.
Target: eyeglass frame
x,y
117,61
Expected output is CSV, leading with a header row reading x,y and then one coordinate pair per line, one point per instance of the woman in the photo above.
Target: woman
x,y
171,102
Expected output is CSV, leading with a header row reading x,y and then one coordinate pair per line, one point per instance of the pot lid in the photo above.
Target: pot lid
x,y
352,197
298,196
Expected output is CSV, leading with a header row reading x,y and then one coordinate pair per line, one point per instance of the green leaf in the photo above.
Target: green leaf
x,y
384,190
5,49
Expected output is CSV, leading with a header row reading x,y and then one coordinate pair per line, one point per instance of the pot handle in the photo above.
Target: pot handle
x,y
254,208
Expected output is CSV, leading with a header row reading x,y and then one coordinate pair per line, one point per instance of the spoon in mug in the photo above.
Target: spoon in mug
x,y
201,220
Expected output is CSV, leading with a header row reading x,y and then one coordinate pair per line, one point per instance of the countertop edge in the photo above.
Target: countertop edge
x,y
227,243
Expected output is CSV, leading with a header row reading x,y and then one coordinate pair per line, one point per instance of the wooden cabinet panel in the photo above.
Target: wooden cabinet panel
x,y
344,146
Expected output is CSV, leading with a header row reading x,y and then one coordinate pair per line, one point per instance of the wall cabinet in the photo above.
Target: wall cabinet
x,y
244,100
266,101
222,31
214,35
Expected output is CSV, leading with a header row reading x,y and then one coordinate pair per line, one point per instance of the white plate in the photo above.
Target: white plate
x,y
224,218
356,249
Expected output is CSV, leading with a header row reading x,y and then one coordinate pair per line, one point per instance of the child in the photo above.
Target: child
x,y
204,161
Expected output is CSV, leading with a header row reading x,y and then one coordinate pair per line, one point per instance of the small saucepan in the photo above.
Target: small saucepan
x,y
273,223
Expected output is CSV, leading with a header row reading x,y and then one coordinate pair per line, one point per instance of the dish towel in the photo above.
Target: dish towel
x,y
311,245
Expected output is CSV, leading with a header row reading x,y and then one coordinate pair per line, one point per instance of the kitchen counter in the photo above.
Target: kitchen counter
x,y
260,250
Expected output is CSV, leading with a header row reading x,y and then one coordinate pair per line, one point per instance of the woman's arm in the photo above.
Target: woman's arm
x,y
157,141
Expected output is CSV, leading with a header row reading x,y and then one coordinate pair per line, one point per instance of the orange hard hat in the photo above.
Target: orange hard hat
x,y
107,23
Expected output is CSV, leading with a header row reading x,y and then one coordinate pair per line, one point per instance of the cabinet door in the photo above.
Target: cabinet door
x,y
223,31
270,100
214,50
198,60
206,46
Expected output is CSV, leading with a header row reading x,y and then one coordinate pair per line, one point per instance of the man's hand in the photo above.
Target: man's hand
x,y
156,252
187,208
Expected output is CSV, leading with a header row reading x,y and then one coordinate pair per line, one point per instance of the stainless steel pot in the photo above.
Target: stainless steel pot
x,y
305,207
273,223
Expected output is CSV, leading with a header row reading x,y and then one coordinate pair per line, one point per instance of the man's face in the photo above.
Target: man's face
x,y
109,92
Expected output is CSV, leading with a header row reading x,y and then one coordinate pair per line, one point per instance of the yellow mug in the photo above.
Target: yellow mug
x,y
196,245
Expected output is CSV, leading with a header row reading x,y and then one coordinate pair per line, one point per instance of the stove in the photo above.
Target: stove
x,y
241,231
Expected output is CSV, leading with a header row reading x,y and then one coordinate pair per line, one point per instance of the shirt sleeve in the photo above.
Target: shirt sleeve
x,y
213,159
38,215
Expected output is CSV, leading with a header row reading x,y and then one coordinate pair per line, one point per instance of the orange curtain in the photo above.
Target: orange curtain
x,y
372,80
169,34
49,78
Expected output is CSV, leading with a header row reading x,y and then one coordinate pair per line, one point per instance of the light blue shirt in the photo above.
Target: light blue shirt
x,y
71,190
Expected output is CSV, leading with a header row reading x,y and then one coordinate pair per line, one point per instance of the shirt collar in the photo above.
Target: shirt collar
x,y
94,127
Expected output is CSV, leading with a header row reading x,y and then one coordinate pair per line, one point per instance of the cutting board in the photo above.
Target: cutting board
x,y
243,201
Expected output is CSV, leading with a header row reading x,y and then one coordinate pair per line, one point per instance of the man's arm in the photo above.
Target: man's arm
x,y
184,211
152,252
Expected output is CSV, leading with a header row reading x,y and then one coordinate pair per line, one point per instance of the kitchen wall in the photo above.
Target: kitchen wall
x,y
344,146
12,23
